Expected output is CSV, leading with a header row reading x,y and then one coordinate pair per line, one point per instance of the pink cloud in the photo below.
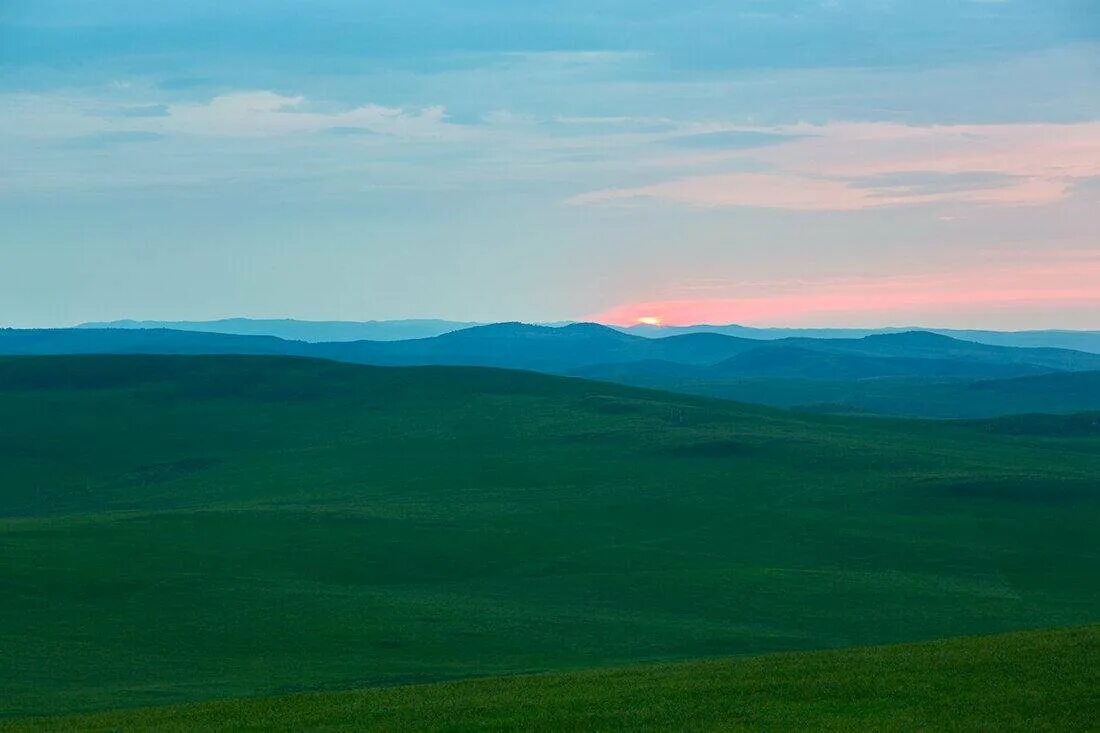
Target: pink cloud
x,y
834,167
745,189
794,191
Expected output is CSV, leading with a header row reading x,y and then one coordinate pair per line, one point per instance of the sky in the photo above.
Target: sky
x,y
765,162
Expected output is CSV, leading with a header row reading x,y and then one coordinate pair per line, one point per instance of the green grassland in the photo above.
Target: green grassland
x,y
175,529
1046,680
1058,393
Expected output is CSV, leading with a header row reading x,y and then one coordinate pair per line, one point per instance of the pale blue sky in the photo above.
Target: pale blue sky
x,y
746,161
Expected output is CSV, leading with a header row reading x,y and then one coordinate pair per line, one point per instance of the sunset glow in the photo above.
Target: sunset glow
x,y
765,162
1040,292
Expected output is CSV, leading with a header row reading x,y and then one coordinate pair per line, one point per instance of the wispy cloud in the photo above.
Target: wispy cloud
x,y
265,113
729,139
239,114
860,166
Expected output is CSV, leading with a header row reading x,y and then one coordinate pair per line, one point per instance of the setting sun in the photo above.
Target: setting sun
x,y
650,320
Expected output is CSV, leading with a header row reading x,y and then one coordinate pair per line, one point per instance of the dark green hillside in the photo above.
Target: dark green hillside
x,y
175,529
1045,680
1056,393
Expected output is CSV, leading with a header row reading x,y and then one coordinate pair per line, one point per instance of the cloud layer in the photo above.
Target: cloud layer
x,y
843,167
543,160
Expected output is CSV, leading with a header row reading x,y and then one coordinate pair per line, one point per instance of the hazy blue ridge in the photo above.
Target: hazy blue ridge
x,y
912,373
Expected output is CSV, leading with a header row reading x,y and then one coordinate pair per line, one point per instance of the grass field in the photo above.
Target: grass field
x,y
1048,680
175,529
1060,393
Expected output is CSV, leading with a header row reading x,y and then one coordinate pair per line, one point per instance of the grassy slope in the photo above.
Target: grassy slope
x,y
181,528
1060,393
1048,680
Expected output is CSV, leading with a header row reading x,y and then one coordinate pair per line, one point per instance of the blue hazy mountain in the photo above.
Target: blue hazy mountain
x,y
924,355
565,349
787,359
554,349
295,330
1078,340
910,373
928,345
418,328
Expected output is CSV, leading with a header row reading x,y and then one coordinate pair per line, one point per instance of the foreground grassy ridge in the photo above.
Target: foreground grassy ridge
x,y
1047,680
183,528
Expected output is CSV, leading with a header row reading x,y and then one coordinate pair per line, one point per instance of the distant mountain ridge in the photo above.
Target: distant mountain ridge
x,y
881,373
415,328
1065,339
565,349
295,330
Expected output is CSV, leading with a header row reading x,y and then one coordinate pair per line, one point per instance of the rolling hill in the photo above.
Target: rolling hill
x,y
1054,338
789,360
922,344
1046,680
582,345
909,374
539,348
906,374
176,528
393,330
1056,393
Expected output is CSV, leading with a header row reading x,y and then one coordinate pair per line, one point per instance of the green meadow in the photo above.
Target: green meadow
x,y
180,529
1046,680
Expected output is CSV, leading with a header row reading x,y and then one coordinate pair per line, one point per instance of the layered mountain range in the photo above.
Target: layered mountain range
x,y
918,373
